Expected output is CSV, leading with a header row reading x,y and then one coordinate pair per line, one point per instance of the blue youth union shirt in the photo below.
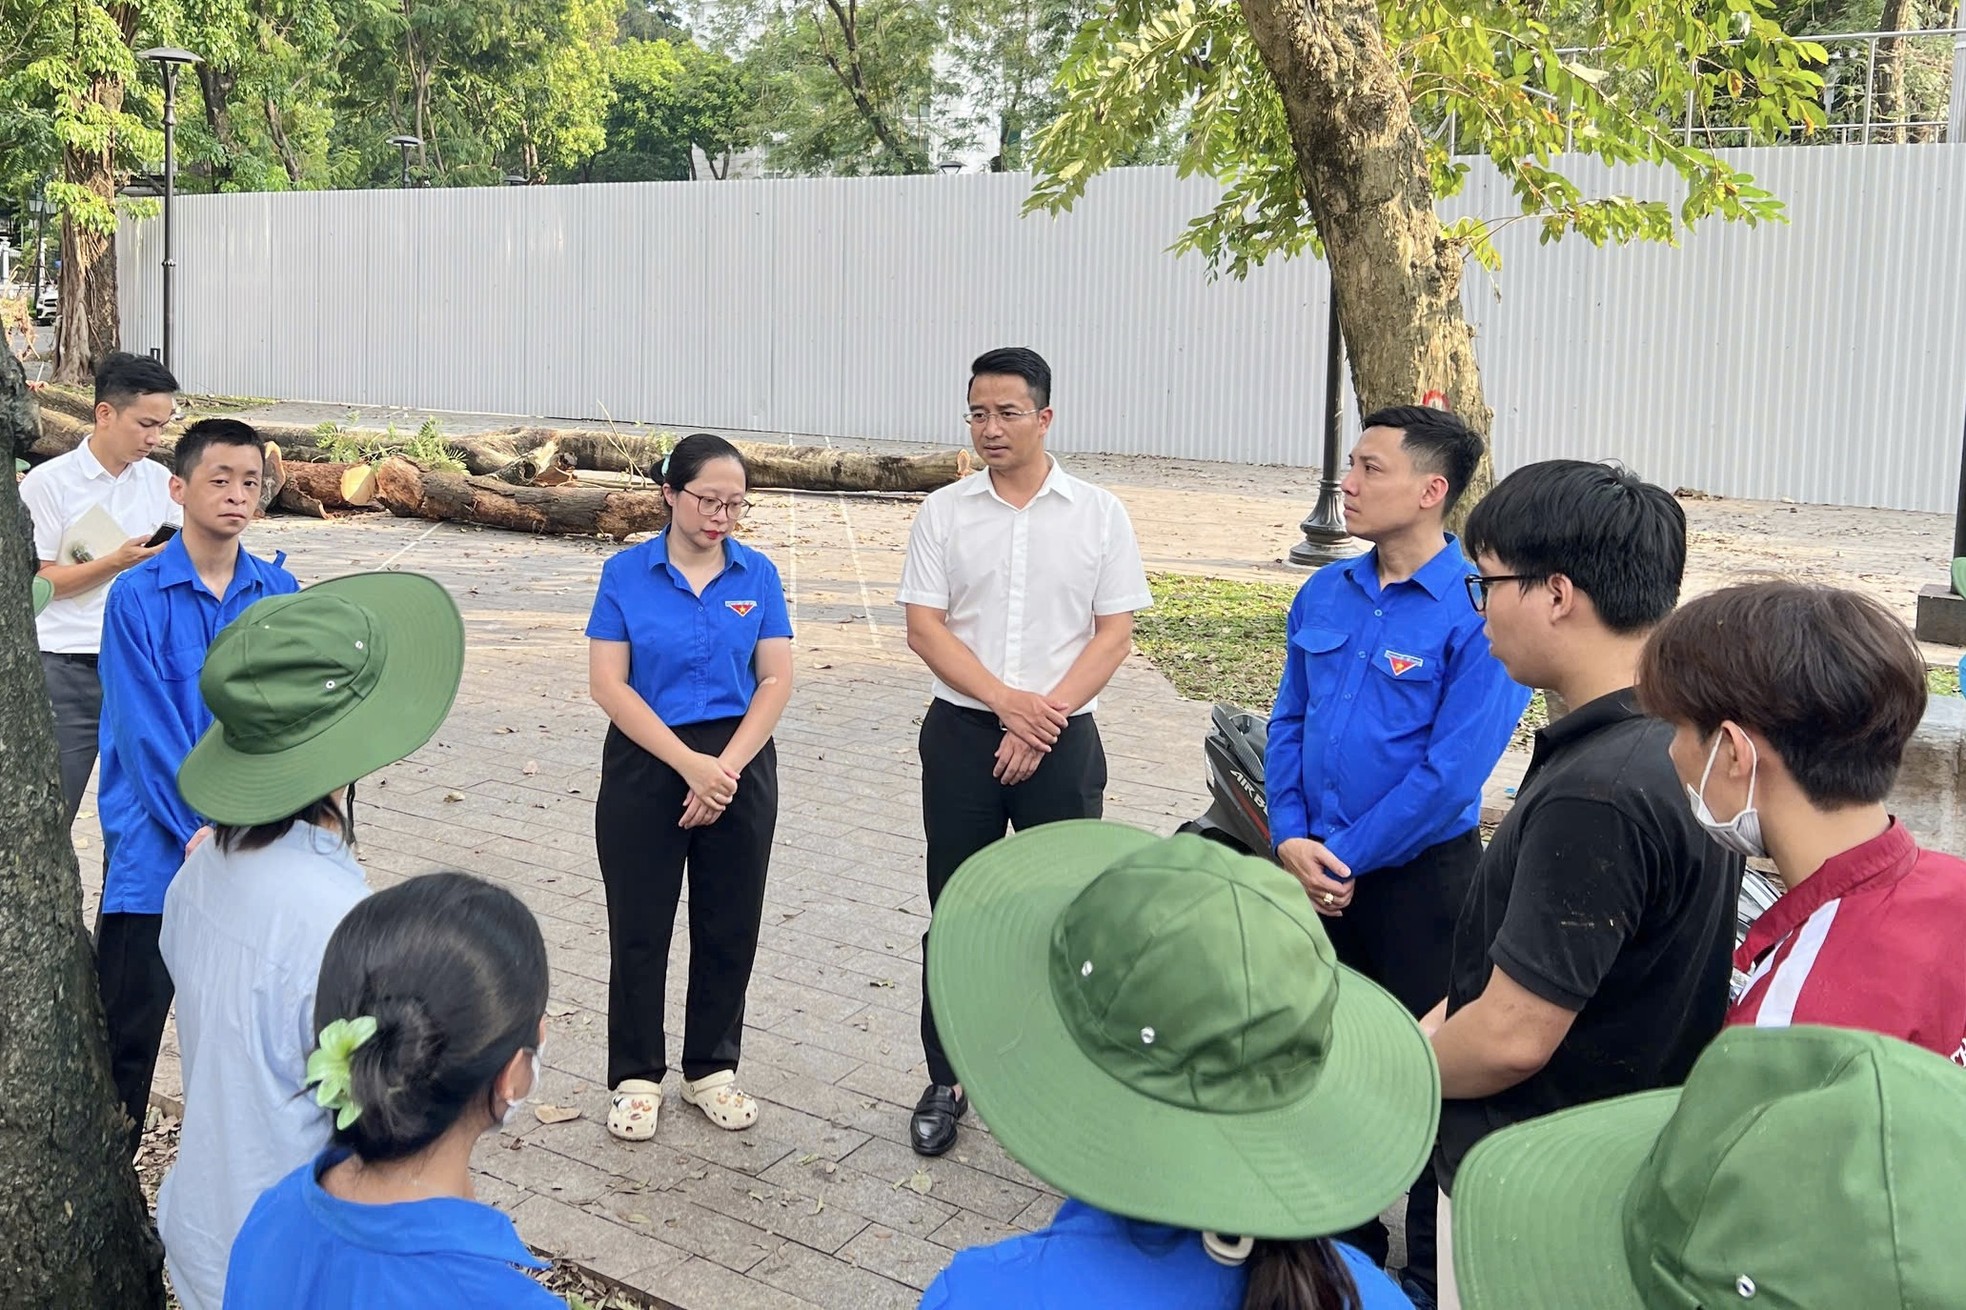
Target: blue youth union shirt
x,y
157,623
1391,714
302,1249
689,656
1086,1259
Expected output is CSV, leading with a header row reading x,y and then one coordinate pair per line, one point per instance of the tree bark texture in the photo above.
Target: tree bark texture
x,y
74,1230
90,325
1888,86
408,491
1363,166
336,486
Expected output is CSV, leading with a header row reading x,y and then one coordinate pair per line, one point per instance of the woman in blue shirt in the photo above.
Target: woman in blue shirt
x,y
429,1013
1160,1029
690,654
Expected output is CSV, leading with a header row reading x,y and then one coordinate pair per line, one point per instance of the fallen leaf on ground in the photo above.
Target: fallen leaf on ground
x,y
555,1114
532,767
453,797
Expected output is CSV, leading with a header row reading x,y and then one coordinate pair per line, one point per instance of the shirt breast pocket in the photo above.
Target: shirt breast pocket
x,y
181,664
1323,651
1404,689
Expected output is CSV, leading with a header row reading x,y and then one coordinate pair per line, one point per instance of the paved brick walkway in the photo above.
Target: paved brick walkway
x,y
822,1203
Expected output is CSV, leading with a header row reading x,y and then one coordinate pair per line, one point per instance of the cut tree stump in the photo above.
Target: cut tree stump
x,y
408,491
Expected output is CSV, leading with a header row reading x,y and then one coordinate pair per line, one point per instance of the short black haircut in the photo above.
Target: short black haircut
x,y
121,377
1619,539
1017,362
208,432
1438,442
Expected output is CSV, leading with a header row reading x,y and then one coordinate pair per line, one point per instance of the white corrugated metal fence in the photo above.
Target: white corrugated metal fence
x,y
1823,360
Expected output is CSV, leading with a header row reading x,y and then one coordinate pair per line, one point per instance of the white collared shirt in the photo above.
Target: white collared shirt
x,y
1022,586
243,936
60,492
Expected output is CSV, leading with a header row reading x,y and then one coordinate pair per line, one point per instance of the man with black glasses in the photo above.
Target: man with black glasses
x,y
1020,584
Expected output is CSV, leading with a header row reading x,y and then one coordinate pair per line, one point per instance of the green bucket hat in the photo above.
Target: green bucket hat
x,y
316,689
44,591
1160,1028
1798,1167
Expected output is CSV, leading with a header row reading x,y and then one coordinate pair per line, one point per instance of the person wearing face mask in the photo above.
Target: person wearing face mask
x,y
311,692
430,1011
1788,743
1591,957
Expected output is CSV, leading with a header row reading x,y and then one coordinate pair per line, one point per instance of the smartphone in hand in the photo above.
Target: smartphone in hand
x,y
162,535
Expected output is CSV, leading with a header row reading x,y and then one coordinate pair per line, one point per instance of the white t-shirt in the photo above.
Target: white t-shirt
x,y
1022,586
243,936
60,492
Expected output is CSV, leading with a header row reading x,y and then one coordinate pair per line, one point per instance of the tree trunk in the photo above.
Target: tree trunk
x,y
215,89
1364,170
411,492
1888,89
276,131
90,326
335,486
74,1230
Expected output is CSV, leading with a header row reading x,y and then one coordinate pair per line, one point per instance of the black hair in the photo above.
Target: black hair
x,y
453,970
258,836
121,377
1620,540
692,453
1017,362
1438,442
1300,1275
208,432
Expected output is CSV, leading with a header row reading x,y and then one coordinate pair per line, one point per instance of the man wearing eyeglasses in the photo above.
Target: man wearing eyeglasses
x,y
1021,583
1390,716
95,511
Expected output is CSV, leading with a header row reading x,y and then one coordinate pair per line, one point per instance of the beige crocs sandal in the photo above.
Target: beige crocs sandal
x,y
634,1109
721,1102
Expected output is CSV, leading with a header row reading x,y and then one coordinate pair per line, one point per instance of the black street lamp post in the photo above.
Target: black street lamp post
x,y
169,60
406,143
1325,538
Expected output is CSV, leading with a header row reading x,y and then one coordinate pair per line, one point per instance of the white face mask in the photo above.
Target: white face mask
x,y
517,1103
1742,833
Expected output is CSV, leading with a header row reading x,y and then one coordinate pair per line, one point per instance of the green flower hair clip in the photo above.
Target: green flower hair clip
x,y
328,1066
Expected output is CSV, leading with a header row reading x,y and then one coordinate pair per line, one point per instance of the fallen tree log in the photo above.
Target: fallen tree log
x,y
532,452
408,491
335,486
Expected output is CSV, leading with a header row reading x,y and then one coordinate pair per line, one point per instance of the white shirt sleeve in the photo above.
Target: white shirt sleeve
x,y
925,573
43,503
1122,585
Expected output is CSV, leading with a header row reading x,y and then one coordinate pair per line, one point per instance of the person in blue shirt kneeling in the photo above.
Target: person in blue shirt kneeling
x,y
1160,1029
429,1014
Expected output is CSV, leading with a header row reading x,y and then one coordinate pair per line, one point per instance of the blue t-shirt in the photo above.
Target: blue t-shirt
x,y
1087,1258
689,656
302,1249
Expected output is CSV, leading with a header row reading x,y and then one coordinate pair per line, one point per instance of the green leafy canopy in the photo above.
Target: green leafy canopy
x,y
1490,77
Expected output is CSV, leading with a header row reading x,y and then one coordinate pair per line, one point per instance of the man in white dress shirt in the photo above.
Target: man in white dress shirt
x,y
112,472
1020,585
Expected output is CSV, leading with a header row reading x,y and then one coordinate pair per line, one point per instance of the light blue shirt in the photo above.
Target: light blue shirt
x,y
243,936
302,1249
1087,1259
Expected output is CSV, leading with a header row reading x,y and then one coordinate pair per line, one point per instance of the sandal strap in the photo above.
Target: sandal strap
x,y
711,1082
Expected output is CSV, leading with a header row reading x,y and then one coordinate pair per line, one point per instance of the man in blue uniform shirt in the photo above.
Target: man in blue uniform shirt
x,y
1390,717
157,623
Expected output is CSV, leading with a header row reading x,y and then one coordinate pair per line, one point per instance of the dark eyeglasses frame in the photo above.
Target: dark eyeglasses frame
x,y
1479,585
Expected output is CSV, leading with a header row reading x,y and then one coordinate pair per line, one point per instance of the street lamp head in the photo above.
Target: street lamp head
x,y
165,54
406,141
951,166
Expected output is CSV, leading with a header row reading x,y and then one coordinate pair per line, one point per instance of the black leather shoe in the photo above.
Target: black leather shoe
x,y
932,1127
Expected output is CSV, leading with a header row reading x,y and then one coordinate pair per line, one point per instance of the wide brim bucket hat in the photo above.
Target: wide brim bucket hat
x,y
1160,1028
316,689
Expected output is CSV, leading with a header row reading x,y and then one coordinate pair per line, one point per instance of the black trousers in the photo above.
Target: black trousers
x,y
136,998
1398,931
644,856
75,692
964,809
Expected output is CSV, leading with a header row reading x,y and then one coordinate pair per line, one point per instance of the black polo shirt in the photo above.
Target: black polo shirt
x,y
1599,893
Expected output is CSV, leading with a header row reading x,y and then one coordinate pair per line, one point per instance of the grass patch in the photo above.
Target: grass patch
x,y
1942,680
1217,640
